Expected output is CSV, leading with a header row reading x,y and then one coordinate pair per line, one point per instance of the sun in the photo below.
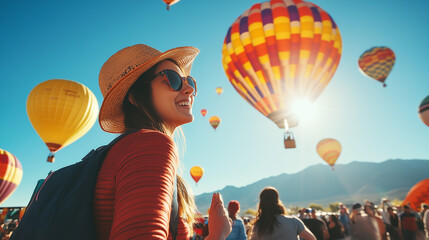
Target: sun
x,y
303,109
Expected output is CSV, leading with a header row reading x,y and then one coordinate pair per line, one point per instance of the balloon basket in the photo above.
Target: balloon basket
x,y
51,158
289,140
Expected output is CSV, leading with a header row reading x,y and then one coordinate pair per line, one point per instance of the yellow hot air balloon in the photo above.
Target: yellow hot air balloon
x,y
281,52
214,121
329,150
61,111
196,173
219,90
170,2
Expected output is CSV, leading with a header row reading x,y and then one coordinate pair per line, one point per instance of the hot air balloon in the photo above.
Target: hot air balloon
x,y
10,174
424,111
214,121
196,173
61,111
219,90
281,52
329,150
417,195
377,63
203,112
170,2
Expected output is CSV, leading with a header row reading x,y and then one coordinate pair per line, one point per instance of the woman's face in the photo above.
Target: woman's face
x,y
174,107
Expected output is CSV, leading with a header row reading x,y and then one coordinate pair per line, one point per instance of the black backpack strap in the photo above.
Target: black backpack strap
x,y
174,216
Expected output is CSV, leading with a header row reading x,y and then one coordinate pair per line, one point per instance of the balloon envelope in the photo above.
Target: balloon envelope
x,y
196,173
377,62
214,121
329,150
170,2
281,51
424,111
61,111
203,112
219,90
417,195
10,174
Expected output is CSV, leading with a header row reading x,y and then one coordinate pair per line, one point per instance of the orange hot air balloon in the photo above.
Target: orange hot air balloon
x,y
329,150
214,121
219,90
417,195
196,173
281,52
10,174
203,112
170,2
377,62
61,111
424,111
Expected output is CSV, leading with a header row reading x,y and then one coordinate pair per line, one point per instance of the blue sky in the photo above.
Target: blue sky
x,y
44,40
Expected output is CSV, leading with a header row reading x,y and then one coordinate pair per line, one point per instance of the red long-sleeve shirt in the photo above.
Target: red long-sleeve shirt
x,y
134,189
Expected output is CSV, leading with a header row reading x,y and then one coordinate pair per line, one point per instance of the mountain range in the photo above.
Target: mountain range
x,y
348,183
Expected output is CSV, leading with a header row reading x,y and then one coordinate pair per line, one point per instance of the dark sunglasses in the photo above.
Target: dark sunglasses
x,y
176,81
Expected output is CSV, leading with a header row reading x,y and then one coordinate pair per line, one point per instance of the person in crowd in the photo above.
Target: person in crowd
x,y
238,231
408,225
271,222
316,226
425,218
345,219
395,233
335,228
363,227
150,94
369,209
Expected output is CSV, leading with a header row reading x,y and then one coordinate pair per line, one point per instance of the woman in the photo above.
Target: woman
x,y
335,228
238,230
271,223
150,94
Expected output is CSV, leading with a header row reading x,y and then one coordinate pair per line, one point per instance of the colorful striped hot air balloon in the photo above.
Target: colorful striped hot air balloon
x,y
280,52
214,121
417,195
196,173
377,63
61,111
203,112
170,2
219,90
424,111
10,174
329,150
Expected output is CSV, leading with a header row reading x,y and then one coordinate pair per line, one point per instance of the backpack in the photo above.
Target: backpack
x,y
62,207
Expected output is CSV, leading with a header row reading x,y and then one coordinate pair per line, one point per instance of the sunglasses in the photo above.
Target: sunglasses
x,y
175,81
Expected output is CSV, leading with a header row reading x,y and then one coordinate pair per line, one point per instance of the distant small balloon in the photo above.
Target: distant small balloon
x,y
329,150
377,63
170,2
219,90
203,112
196,173
214,121
424,111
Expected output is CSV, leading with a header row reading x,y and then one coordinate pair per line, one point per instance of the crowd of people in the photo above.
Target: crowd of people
x,y
365,221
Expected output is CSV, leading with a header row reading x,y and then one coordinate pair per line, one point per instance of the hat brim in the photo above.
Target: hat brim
x,y
111,117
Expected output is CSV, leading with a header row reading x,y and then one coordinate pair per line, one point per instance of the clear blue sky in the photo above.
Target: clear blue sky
x,y
42,40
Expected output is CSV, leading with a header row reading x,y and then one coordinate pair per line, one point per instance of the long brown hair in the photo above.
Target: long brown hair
x,y
270,206
139,113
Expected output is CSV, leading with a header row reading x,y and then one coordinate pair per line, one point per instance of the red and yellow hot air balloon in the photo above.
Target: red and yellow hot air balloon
x,y
61,111
10,174
214,121
281,52
424,111
219,90
196,173
417,195
377,62
170,2
203,112
329,150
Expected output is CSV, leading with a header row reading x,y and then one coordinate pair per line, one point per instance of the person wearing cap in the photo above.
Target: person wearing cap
x,y
363,227
272,222
238,231
148,94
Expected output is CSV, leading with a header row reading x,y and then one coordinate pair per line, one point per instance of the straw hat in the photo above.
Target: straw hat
x,y
122,69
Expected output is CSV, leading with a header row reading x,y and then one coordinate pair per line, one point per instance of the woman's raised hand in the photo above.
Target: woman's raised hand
x,y
220,225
